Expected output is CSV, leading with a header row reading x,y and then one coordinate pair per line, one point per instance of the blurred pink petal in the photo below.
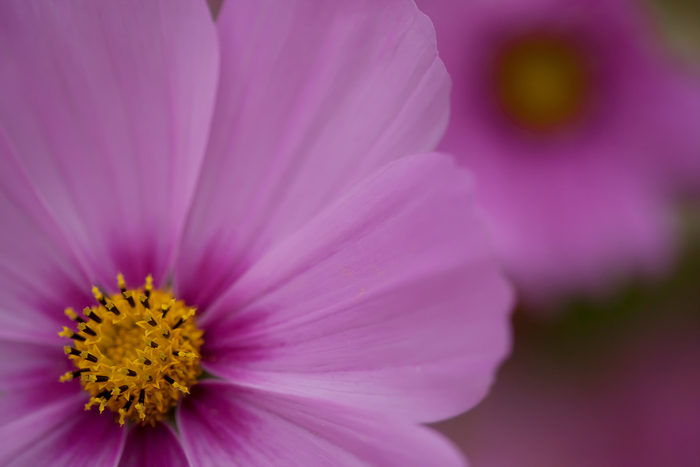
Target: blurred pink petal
x,y
313,96
62,434
387,300
601,227
224,425
157,446
581,207
109,119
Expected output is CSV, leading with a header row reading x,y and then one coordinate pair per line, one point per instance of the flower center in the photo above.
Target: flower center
x,y
542,82
135,352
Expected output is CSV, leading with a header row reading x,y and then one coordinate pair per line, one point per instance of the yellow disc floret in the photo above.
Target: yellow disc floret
x,y
136,352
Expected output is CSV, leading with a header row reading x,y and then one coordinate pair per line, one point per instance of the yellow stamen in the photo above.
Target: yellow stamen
x,y
66,377
187,354
148,288
122,415
181,388
190,313
141,410
137,352
71,314
98,295
121,282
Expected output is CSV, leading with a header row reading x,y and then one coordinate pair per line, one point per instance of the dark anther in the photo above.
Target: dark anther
x,y
148,287
113,308
146,361
87,330
165,309
123,388
153,344
102,299
101,379
142,396
177,325
168,379
131,373
90,357
94,317
77,373
127,406
106,395
130,298
145,302
73,351
77,337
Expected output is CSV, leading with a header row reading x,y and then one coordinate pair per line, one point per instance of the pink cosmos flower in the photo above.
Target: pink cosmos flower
x,y
256,169
578,127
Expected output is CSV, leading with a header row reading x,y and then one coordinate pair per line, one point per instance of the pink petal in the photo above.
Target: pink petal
x,y
39,274
388,300
153,447
62,434
313,96
108,105
29,379
225,425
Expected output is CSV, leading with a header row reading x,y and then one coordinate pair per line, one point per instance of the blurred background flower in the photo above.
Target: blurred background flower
x,y
589,167
582,130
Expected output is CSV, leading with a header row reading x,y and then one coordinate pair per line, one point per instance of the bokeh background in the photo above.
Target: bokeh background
x,y
610,380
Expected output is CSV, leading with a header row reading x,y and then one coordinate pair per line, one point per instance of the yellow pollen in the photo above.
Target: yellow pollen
x,y
136,352
71,314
